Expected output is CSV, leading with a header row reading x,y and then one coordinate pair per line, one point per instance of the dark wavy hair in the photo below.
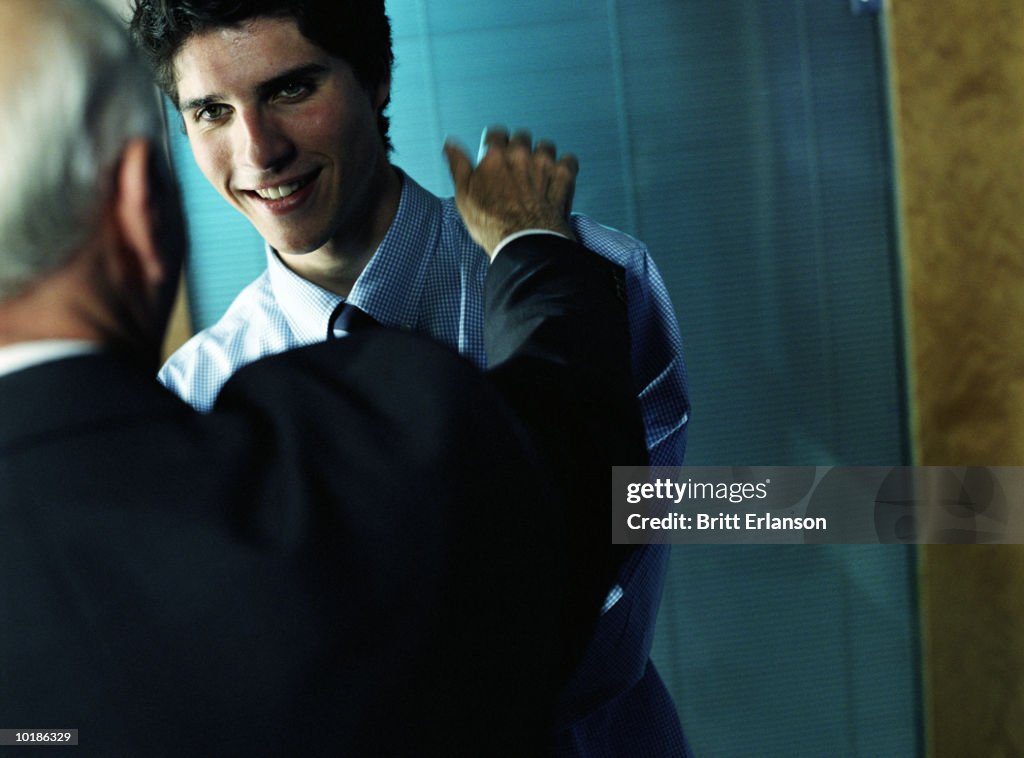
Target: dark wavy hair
x,y
357,31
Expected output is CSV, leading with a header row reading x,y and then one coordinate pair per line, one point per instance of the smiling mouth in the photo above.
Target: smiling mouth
x,y
282,191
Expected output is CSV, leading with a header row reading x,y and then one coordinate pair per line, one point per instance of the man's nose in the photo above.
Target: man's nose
x,y
262,143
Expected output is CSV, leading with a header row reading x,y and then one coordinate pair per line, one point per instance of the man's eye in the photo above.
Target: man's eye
x,y
293,90
211,113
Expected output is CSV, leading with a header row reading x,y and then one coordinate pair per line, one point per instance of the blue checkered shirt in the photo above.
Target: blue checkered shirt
x,y
427,276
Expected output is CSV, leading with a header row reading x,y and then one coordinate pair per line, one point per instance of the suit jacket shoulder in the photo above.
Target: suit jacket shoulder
x,y
297,569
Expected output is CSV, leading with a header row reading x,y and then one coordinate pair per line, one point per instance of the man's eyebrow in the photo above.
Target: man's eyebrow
x,y
199,102
309,70
263,88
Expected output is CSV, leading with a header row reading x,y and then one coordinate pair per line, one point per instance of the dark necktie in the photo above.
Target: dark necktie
x,y
346,319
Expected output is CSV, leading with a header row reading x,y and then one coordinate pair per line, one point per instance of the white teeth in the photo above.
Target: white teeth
x,y
276,193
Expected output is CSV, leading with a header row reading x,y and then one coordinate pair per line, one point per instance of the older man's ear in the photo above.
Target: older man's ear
x,y
149,224
144,248
135,217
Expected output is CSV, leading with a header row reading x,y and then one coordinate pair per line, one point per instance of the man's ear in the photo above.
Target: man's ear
x,y
136,216
382,95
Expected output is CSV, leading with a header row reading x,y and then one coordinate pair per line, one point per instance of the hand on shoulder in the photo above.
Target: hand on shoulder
x,y
516,185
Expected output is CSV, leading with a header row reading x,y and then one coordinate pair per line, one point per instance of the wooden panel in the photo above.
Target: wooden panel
x,y
958,71
180,327
973,632
958,106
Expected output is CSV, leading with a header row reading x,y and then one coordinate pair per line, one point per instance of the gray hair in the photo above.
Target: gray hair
x,y
79,96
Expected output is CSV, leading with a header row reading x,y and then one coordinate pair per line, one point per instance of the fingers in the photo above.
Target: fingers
x,y
546,148
493,137
516,184
563,183
570,164
497,138
521,140
520,147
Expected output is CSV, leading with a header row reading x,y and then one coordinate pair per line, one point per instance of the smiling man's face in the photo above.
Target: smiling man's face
x,y
286,133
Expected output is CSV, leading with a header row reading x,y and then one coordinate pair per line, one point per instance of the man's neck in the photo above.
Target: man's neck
x,y
36,328
337,265
57,307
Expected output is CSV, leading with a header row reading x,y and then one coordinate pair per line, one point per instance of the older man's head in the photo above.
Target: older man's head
x,y
85,181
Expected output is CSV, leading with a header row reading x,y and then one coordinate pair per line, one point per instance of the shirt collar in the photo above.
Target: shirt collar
x,y
23,355
305,306
389,288
391,285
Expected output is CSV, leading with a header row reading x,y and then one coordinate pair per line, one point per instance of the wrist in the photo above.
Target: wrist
x,y
523,233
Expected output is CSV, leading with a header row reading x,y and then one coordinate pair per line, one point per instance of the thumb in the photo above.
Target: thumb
x,y
459,165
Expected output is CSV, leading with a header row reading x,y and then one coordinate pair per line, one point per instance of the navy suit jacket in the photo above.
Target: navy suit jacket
x,y
359,552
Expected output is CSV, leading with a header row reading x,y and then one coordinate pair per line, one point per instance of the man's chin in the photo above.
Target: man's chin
x,y
290,241
292,251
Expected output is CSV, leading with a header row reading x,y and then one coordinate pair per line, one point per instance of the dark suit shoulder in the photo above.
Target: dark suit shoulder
x,y
82,392
378,382
343,556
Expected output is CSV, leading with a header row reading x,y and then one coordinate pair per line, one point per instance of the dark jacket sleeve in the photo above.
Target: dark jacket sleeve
x,y
557,340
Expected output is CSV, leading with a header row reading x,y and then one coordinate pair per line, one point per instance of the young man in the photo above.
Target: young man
x,y
334,561
284,107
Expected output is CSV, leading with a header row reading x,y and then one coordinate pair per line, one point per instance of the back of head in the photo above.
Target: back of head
x,y
356,31
76,93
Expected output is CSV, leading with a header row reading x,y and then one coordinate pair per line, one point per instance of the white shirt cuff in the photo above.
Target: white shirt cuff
x,y
523,233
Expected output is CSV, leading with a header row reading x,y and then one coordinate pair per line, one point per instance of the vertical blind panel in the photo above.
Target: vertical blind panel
x,y
779,651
